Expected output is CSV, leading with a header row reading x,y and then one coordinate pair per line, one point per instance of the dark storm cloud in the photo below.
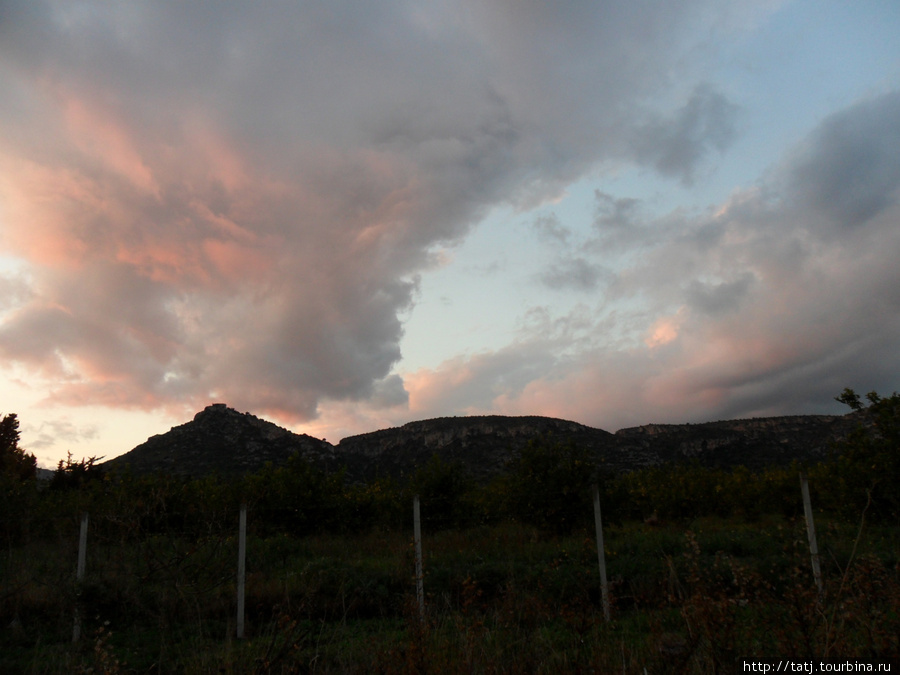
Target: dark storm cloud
x,y
232,200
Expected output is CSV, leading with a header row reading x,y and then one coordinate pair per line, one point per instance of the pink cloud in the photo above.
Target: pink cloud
x,y
98,135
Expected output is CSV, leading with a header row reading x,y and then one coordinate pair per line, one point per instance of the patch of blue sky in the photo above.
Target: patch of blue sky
x,y
470,301
804,61
807,60
478,299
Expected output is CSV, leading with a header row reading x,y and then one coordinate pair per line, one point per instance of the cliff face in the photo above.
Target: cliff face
x,y
224,441
484,445
754,443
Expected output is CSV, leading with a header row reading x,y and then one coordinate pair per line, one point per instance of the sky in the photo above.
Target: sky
x,y
343,216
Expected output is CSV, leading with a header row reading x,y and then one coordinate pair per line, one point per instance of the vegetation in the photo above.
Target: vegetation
x,y
549,486
15,463
706,566
866,469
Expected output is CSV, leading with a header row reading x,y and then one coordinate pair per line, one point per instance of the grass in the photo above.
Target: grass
x,y
687,598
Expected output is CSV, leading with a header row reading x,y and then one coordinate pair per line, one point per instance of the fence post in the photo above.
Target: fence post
x,y
242,569
811,534
79,574
601,553
417,531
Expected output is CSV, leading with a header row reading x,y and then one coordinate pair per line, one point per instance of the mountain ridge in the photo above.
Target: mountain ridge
x,y
222,440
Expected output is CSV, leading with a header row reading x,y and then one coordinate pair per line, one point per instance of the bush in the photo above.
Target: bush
x,y
549,486
296,498
867,463
443,488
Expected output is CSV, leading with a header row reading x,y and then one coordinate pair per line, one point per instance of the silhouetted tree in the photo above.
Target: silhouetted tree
x,y
71,474
13,460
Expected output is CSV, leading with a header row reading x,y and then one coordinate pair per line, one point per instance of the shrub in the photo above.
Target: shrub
x,y
868,461
442,488
549,485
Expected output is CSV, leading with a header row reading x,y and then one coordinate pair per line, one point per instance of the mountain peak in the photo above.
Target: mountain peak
x,y
215,412
222,440
215,408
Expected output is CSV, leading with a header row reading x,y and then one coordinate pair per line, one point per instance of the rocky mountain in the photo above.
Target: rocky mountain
x,y
483,445
754,443
224,441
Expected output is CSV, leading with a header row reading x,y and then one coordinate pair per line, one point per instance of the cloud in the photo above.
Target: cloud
x,y
13,292
574,273
49,433
550,230
613,213
768,304
848,173
676,145
716,298
234,201
663,331
572,268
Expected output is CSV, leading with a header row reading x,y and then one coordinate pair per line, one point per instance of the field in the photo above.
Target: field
x,y
687,597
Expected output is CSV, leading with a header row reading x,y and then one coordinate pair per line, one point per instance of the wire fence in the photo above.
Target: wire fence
x,y
167,565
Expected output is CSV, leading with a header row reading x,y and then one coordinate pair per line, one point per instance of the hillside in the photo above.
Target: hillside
x,y
755,443
483,445
224,441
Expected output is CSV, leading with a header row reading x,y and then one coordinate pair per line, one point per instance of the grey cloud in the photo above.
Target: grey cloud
x,y
676,146
549,229
849,171
569,270
51,433
612,212
389,392
623,225
574,273
716,299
